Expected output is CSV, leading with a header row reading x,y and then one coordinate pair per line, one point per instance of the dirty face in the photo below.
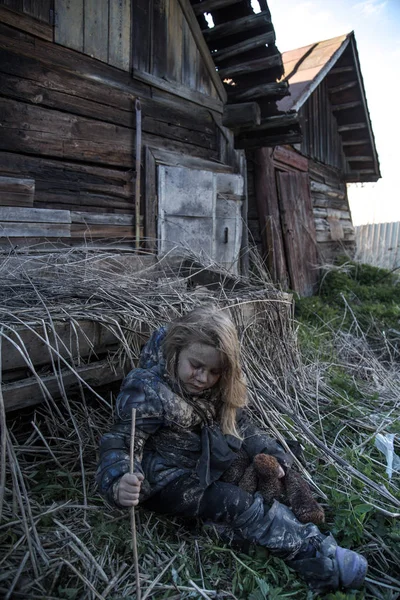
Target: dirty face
x,y
199,367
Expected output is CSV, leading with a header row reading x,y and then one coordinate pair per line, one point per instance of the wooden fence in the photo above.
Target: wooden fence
x,y
379,244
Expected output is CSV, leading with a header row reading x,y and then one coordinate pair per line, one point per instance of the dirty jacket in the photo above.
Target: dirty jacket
x,y
175,434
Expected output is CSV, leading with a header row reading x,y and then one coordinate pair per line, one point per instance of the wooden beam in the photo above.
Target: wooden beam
x,y
29,392
34,215
351,127
210,5
251,66
346,105
237,26
250,44
356,142
15,191
341,88
339,70
290,157
360,158
26,23
263,140
238,115
275,122
202,47
275,90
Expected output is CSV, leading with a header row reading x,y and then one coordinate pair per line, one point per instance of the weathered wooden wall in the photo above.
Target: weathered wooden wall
x,y
68,124
335,230
321,139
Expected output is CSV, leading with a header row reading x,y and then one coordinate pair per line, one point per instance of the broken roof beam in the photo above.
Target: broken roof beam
x,y
237,26
272,90
251,66
250,44
247,114
210,5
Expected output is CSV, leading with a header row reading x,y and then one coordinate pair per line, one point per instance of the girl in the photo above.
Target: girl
x,y
189,394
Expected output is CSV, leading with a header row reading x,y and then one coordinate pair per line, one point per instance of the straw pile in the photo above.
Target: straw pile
x,y
57,538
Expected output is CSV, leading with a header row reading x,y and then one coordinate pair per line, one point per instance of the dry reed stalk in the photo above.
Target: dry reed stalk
x,y
132,511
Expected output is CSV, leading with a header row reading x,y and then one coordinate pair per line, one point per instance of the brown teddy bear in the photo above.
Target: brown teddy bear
x,y
262,475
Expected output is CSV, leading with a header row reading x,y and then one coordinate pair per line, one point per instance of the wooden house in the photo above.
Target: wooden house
x,y
298,203
118,132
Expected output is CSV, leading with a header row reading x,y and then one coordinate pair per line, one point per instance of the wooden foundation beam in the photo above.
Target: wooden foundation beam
x,y
238,115
237,26
250,44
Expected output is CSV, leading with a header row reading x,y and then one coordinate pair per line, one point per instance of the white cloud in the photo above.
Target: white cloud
x,y
370,7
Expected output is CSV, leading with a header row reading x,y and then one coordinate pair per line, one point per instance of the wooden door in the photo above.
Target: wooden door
x,y
298,230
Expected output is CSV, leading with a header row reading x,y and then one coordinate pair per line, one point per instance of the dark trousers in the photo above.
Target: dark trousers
x,y
273,527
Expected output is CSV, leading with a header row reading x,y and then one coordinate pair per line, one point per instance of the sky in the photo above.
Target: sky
x,y
376,24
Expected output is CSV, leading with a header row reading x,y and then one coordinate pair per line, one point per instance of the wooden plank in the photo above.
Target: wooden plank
x,y
270,90
151,206
346,105
298,231
53,230
16,191
34,215
160,42
26,23
87,337
68,28
95,230
356,142
190,57
39,10
351,127
210,5
237,26
326,190
180,90
203,48
120,40
291,158
101,219
269,215
250,66
142,12
56,134
28,392
95,29
174,41
176,159
250,44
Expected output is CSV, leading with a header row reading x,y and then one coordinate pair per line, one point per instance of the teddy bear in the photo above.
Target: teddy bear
x,y
262,475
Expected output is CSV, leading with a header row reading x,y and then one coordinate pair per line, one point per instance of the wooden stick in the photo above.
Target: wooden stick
x,y
138,110
133,522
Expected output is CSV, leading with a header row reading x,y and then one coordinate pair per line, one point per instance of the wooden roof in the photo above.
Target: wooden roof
x,y
242,46
336,60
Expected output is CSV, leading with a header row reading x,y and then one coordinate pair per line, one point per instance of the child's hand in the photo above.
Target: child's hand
x,y
129,488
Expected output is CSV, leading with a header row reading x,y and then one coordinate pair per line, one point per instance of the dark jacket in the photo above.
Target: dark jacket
x,y
175,434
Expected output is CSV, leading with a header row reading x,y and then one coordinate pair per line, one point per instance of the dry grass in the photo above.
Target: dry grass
x,y
57,538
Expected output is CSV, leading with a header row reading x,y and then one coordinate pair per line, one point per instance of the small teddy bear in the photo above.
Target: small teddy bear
x,y
262,475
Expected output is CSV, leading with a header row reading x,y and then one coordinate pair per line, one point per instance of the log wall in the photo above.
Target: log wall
x,y
69,130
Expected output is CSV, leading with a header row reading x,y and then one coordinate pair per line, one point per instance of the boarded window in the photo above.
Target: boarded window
x,y
200,210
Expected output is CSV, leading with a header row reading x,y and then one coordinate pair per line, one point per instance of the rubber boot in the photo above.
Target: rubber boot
x,y
316,557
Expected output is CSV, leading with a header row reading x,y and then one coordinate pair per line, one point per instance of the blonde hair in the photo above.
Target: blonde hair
x,y
208,325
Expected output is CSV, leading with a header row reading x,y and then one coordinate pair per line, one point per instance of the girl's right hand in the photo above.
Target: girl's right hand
x,y
129,488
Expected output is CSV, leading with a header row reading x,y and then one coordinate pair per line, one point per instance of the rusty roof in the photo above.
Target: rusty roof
x,y
336,60
304,68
